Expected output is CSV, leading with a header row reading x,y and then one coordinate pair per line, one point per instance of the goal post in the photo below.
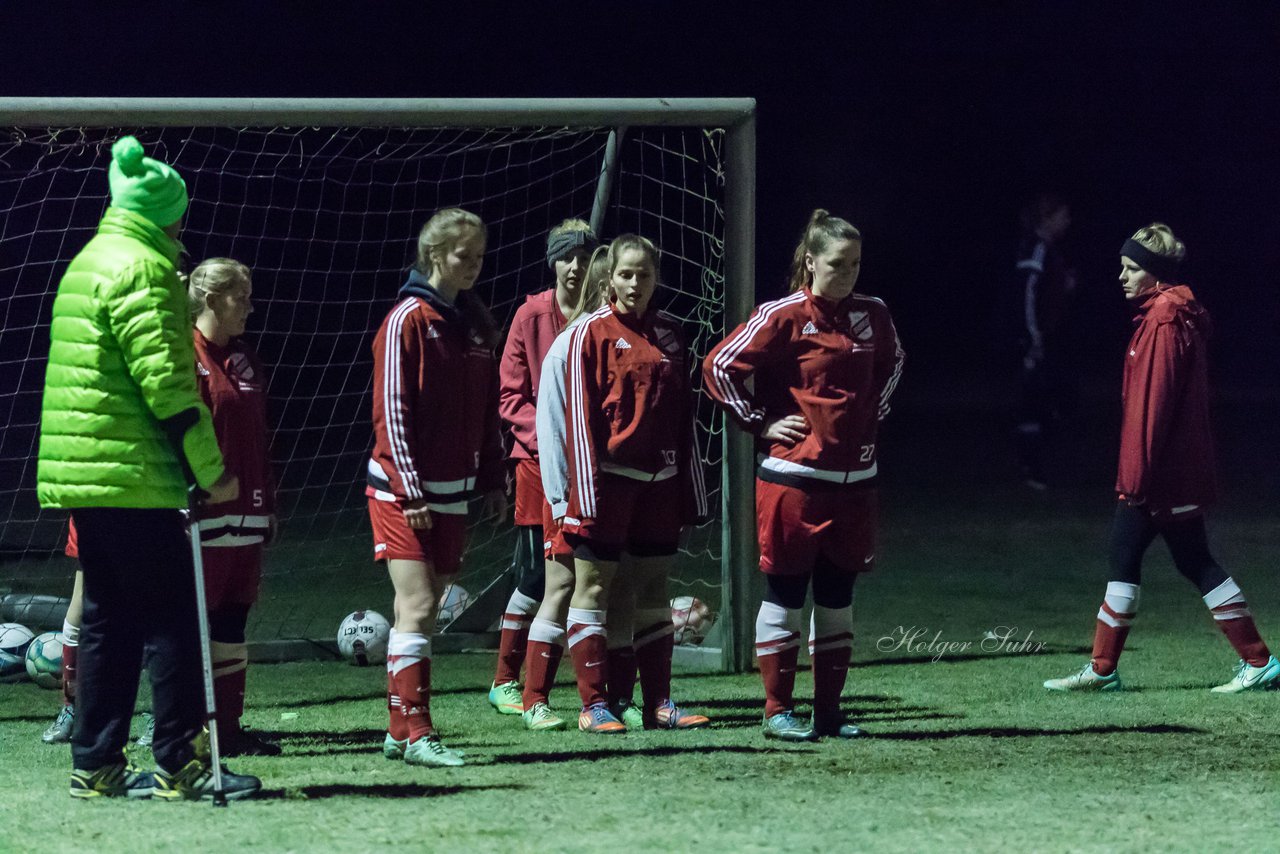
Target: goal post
x,y
283,180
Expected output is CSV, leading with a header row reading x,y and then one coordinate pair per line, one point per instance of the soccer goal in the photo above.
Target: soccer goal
x,y
323,199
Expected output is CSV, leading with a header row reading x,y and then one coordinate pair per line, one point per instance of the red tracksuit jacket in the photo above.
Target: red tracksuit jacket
x,y
536,324
630,407
435,406
834,363
1166,445
233,384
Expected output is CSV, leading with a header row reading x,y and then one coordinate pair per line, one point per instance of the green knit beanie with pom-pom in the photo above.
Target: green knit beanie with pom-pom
x,y
145,186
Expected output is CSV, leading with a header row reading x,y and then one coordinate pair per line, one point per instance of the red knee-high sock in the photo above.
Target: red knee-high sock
x,y
70,646
230,662
1231,613
546,647
398,725
622,673
587,648
830,645
1115,617
410,660
777,651
653,644
514,639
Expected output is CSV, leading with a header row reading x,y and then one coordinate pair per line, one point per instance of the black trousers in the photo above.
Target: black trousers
x,y
1134,529
139,594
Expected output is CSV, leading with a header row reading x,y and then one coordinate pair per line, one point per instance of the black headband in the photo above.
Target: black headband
x,y
560,245
1164,268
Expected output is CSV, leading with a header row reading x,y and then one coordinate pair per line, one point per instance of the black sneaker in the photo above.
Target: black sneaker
x,y
59,732
836,726
194,781
118,780
241,742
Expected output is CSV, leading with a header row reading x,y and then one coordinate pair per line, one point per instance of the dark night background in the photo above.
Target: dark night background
x,y
927,124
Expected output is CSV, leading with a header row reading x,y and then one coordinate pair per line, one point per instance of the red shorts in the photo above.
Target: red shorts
x,y
638,516
441,545
529,496
232,574
553,545
797,526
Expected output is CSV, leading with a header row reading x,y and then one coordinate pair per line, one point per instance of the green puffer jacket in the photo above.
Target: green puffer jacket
x,y
121,362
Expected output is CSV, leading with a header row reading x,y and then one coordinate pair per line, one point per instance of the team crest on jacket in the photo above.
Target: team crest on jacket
x,y
666,340
860,325
242,369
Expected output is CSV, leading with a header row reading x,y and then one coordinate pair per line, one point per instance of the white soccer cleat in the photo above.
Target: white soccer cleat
x,y
1250,678
429,751
1085,680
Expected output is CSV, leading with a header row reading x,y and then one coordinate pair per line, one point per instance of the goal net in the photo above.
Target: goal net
x,y
326,214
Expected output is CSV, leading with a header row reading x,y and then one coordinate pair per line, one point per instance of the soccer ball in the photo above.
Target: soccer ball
x,y
44,660
362,638
14,638
692,619
454,601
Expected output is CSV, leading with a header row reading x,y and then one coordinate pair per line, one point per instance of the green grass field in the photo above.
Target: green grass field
x,y
967,752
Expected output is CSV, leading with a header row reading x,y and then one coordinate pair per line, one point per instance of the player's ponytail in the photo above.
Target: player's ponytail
x,y
595,286
822,230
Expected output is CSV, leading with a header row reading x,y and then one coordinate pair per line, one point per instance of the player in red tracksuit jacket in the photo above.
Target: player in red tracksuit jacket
x,y
233,384
635,482
1166,477
436,445
810,376
536,324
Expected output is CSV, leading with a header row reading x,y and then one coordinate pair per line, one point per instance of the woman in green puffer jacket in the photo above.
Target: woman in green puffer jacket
x,y
123,434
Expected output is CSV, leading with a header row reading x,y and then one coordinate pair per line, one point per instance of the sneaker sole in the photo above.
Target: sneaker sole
x,y
238,795
132,794
794,738
558,725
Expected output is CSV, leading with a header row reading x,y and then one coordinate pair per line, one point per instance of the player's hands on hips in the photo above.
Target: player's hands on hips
x,y
417,515
225,488
493,504
788,430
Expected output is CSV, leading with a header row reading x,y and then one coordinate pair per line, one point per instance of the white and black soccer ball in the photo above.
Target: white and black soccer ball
x,y
44,660
692,619
454,601
362,638
14,640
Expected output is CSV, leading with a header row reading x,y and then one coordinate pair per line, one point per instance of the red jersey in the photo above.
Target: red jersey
x,y
1166,445
836,364
536,324
233,384
630,408
435,406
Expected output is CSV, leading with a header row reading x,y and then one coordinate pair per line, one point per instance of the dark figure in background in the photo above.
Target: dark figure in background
x,y
1045,286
